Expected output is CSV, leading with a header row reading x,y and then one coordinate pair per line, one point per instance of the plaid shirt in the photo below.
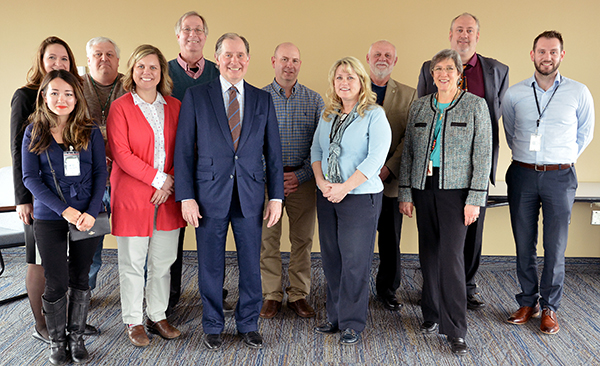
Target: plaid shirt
x,y
298,117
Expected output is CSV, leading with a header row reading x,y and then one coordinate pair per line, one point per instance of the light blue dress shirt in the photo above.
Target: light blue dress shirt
x,y
566,126
364,147
225,85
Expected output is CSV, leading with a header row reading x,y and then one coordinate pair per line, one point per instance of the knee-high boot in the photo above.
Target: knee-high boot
x,y
56,320
79,302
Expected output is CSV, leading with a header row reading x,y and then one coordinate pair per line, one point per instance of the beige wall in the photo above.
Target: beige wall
x,y
326,31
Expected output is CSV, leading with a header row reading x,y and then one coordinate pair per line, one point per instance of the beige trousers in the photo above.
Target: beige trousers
x,y
301,210
159,253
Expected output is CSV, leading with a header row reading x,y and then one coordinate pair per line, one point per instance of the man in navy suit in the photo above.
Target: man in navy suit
x,y
486,78
225,128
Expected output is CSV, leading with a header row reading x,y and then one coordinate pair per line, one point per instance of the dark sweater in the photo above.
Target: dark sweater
x,y
182,81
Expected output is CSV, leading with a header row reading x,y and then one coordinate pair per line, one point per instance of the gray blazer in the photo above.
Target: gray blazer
x,y
495,80
466,147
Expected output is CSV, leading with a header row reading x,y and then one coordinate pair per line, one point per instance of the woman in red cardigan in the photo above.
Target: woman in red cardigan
x,y
141,130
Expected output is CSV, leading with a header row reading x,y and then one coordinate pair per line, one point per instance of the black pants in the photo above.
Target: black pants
x,y
389,226
440,221
62,271
472,252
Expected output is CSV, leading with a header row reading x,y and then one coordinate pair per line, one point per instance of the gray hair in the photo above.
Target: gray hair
x,y
190,14
232,36
467,15
97,40
447,54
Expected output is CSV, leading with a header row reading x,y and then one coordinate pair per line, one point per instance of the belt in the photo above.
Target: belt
x,y
543,167
289,169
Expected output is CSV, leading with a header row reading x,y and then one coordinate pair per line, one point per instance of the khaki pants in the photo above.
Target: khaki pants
x,y
160,250
301,210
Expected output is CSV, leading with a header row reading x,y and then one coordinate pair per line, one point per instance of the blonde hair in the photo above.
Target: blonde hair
x,y
165,85
366,97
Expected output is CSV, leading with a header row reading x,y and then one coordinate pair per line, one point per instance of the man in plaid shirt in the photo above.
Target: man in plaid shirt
x,y
298,111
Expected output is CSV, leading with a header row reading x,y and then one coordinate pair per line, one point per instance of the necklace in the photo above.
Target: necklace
x,y
103,108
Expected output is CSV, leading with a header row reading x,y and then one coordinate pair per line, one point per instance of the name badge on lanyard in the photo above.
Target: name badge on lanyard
x,y
71,163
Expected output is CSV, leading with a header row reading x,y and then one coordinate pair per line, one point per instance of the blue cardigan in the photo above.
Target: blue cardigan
x,y
364,145
83,192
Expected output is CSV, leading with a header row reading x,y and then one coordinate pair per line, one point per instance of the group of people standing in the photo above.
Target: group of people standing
x,y
190,142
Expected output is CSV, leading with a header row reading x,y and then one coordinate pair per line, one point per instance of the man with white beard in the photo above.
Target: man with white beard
x,y
396,99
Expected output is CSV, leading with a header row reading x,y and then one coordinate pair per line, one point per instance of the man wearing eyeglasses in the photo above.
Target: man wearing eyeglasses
x,y
486,78
190,68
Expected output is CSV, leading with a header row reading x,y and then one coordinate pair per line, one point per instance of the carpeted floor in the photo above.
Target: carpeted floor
x,y
391,338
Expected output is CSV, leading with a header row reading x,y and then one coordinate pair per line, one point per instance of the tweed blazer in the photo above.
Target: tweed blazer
x,y
495,82
466,147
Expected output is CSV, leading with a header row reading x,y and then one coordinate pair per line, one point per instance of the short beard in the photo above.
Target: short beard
x,y
546,73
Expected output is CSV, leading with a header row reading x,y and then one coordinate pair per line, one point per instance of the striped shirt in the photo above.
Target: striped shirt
x,y
298,117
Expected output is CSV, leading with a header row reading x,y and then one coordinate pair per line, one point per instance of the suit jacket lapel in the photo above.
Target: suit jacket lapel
x,y
390,92
216,98
488,79
249,108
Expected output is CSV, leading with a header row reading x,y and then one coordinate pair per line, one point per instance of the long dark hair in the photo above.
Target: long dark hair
x,y
79,127
37,72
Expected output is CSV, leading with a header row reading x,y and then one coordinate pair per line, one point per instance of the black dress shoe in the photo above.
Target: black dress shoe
x,y
326,328
213,341
252,339
349,337
90,330
429,327
458,346
389,302
474,303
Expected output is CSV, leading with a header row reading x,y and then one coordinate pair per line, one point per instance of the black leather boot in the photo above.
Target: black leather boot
x,y
56,320
79,302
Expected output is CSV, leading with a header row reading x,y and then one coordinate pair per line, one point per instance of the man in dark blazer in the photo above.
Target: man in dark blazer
x,y
219,179
486,78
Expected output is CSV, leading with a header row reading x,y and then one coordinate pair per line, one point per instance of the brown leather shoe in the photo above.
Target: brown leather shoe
x,y
137,335
270,308
302,308
549,322
524,313
163,329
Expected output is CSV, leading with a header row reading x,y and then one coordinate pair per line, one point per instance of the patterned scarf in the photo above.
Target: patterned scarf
x,y
334,174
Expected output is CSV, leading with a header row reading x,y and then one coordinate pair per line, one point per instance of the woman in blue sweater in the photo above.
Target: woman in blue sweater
x,y
348,151
62,135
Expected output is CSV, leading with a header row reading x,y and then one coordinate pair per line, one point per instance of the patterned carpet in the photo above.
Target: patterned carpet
x,y
391,338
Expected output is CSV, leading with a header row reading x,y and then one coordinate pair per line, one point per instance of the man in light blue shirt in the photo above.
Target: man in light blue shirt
x,y
548,121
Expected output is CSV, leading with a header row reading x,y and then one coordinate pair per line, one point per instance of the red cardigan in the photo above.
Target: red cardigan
x,y
131,140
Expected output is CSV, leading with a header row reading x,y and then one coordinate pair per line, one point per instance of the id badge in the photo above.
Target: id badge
x,y
71,161
430,169
535,144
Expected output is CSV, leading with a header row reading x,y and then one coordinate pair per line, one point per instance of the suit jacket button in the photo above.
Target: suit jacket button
x,y
231,176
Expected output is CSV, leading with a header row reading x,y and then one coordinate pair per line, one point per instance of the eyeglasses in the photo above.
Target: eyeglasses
x,y
448,69
198,31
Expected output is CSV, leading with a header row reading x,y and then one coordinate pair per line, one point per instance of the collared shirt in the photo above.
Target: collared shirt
x,y
155,115
225,85
191,73
566,126
473,76
298,117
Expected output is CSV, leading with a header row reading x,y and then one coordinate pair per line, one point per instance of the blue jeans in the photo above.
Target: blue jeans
x,y
97,261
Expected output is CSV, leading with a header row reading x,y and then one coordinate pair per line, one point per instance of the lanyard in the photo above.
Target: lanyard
x,y
537,104
103,108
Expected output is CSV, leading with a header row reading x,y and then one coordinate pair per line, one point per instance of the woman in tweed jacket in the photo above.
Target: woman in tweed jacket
x,y
444,174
